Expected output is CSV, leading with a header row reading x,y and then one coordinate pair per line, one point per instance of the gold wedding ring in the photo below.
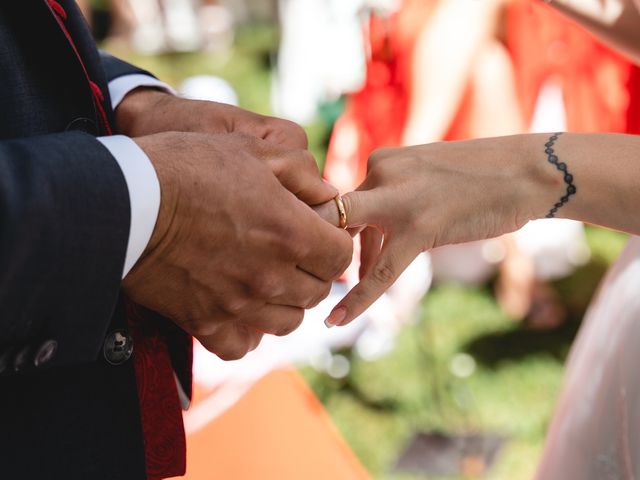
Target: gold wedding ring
x,y
342,212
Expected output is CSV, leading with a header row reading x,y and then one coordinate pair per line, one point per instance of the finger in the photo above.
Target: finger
x,y
364,207
359,209
298,172
275,130
370,244
232,341
303,291
328,211
285,133
394,257
296,169
277,320
327,251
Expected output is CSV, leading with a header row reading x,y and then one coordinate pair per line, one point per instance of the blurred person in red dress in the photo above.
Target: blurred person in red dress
x,y
504,75
436,70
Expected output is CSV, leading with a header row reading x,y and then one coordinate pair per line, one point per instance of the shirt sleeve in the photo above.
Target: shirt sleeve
x,y
121,86
140,176
144,194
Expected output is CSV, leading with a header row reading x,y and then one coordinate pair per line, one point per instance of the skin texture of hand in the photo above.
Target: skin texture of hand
x,y
146,111
418,198
235,255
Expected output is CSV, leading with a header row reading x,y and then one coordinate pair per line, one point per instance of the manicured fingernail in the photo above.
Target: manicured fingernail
x,y
336,317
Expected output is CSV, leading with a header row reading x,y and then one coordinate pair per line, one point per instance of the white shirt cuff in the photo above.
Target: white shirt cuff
x,y
121,86
144,194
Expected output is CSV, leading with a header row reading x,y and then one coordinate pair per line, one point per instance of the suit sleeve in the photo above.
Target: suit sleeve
x,y
64,226
115,68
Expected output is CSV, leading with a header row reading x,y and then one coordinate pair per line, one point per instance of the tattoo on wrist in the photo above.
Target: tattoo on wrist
x,y
552,158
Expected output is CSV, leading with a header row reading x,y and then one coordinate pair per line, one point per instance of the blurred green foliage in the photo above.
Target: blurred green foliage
x,y
380,404
247,67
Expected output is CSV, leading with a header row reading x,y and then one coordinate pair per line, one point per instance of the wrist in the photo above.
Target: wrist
x,y
541,184
156,147
135,111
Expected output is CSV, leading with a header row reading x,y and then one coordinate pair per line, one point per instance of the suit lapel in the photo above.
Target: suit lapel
x,y
71,23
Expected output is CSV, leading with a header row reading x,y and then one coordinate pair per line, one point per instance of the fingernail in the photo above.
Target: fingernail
x,y
336,317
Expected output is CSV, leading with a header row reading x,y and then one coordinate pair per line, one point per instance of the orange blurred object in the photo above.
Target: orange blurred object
x,y
278,430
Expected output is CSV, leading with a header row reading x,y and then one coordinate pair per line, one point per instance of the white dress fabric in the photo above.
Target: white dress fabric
x,y
595,431
321,56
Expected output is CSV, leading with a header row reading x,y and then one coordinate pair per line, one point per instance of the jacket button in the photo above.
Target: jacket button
x,y
45,353
118,347
82,125
21,359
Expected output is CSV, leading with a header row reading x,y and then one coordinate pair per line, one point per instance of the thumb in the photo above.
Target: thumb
x,y
298,172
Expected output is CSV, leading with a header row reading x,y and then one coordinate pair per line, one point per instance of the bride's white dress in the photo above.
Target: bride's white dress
x,y
595,431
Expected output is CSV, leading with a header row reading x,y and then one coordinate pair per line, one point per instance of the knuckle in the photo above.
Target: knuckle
x,y
295,132
236,306
381,170
375,174
309,161
203,329
257,338
342,258
285,131
383,273
236,344
318,297
231,354
265,286
377,156
296,245
291,325
206,325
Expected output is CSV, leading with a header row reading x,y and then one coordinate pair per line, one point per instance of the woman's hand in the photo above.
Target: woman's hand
x,y
418,198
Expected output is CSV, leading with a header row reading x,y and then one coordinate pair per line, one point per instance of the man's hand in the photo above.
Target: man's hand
x,y
235,255
146,111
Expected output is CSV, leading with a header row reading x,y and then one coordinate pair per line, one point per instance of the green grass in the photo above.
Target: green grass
x,y
512,392
381,404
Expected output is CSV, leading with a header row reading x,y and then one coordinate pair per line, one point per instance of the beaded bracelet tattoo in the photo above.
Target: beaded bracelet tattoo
x,y
552,158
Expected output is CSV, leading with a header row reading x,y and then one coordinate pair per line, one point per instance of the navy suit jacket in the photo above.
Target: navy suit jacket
x,y
64,226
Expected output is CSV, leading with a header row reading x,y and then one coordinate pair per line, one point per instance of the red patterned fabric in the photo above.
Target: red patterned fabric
x,y
160,412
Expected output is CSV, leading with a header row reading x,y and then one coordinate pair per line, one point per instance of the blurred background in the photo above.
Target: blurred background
x,y
455,372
